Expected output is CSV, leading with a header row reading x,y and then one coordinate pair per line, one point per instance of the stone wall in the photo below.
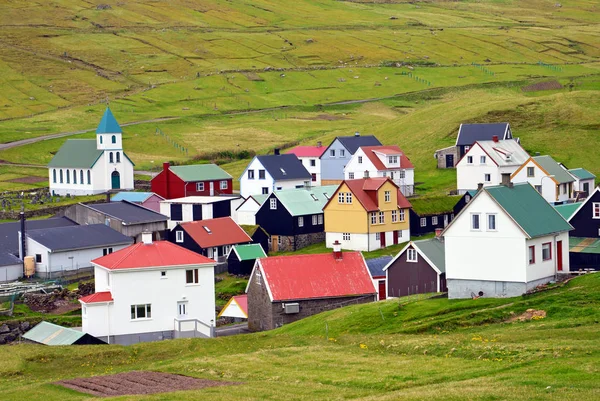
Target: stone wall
x,y
441,156
461,289
295,242
12,331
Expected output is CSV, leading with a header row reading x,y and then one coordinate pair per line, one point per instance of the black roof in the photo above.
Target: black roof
x,y
376,265
284,167
468,134
78,237
9,232
8,259
352,143
128,213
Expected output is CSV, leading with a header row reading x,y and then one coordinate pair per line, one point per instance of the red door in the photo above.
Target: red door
x,y
559,262
381,290
382,239
395,237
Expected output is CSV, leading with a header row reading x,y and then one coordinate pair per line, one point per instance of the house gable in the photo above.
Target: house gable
x,y
586,226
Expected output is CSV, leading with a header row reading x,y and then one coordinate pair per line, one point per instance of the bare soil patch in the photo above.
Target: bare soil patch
x,y
529,314
542,86
31,179
252,76
138,382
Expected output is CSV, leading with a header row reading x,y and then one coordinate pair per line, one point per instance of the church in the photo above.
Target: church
x,y
92,166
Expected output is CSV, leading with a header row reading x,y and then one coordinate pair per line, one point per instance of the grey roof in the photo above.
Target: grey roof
x,y
434,250
9,232
284,167
376,265
468,134
128,213
78,237
500,151
8,259
553,168
352,143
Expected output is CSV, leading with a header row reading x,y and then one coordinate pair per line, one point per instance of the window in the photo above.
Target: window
x,y
487,177
273,204
176,212
423,221
399,233
68,176
38,258
481,159
84,311
261,174
118,157
491,222
434,220
538,188
54,176
279,240
100,139
74,176
341,197
179,236
301,221
342,153
366,175
163,274
224,184
89,177
182,308
411,255
394,216
332,153
111,157
377,236
141,311
469,159
530,172
320,219
107,251
596,210
467,198
531,255
351,176
113,139
250,174
381,218
345,236
61,176
199,186
191,276
359,159
475,221
402,215
348,197
564,188
313,177
467,148
387,195
265,190
81,176
401,174
393,159
373,218
313,162
314,220
546,251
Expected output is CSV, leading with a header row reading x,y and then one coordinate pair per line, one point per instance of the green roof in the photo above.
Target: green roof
x,y
553,168
302,201
434,205
434,250
108,124
567,210
584,245
200,172
79,153
528,209
582,174
249,251
52,334
260,198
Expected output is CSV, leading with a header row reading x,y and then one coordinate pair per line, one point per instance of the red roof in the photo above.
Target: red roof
x,y
221,231
307,151
361,188
388,150
156,254
316,276
242,301
105,296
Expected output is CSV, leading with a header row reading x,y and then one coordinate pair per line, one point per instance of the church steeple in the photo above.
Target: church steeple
x,y
108,133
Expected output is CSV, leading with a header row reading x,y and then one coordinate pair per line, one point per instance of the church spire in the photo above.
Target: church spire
x,y
108,124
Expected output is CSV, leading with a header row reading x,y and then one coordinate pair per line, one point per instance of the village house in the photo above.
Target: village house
x,y
468,134
486,161
367,214
194,208
60,252
268,173
419,268
462,201
241,258
92,166
153,290
339,153
506,241
585,182
294,217
431,213
547,177
258,235
212,238
125,217
382,161
283,289
376,266
310,156
246,212
10,232
193,180
149,200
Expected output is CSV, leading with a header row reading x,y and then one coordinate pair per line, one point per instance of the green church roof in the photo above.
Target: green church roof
x,y
249,251
108,124
200,172
76,153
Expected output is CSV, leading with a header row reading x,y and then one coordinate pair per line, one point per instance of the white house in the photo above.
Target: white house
x,y
506,241
11,267
310,156
194,208
150,291
584,180
486,161
547,176
382,161
269,173
246,212
61,251
92,166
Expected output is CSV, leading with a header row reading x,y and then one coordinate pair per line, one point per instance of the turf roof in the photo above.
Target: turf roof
x,y
434,205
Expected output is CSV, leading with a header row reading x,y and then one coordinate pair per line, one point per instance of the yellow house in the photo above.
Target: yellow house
x,y
367,214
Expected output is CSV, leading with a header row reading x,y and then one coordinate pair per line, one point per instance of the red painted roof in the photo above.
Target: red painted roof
x,y
223,231
316,276
156,254
105,296
388,150
242,301
361,188
308,151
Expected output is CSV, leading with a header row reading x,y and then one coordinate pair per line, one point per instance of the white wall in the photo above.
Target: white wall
x,y
578,185
469,175
365,242
313,170
71,188
246,214
541,269
406,185
548,184
103,169
254,187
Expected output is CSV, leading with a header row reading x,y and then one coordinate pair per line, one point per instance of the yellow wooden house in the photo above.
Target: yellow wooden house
x,y
367,214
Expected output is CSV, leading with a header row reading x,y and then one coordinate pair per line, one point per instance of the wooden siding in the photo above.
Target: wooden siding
x,y
586,226
408,278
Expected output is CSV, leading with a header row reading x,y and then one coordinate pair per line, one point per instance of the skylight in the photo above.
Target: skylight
x,y
314,197
207,229
282,170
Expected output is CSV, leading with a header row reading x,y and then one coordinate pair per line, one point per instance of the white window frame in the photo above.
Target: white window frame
x,y
264,174
342,153
394,216
401,174
423,221
482,159
331,152
223,184
199,186
301,221
350,176
411,255
273,204
595,210
147,312
381,217
348,197
345,236
373,218
314,220
387,196
549,244
532,171
359,159
469,159
320,219
531,257
487,221
434,220
341,197
377,236
478,222
250,174
485,177
179,236
402,215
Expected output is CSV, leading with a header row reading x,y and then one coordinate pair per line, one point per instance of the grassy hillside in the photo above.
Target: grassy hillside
x,y
406,348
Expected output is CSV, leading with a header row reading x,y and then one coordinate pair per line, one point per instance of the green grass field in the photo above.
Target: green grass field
x,y
409,348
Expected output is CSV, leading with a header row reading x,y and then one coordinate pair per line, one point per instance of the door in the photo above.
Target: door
x,y
381,290
445,220
395,237
559,261
449,161
115,180
275,243
197,212
182,309
586,188
215,253
212,188
382,240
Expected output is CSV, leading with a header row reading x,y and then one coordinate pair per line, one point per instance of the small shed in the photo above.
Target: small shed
x,y
47,333
237,307
11,267
259,236
149,200
376,267
241,258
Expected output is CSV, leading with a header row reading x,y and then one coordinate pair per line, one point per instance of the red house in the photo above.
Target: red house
x,y
194,180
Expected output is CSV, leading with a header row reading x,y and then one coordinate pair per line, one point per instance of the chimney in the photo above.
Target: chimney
x,y
337,250
506,180
495,138
147,238
357,133
438,234
277,151
366,174
319,144
537,153
166,166
479,186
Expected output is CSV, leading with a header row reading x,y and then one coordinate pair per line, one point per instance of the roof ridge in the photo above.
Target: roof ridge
x,y
129,251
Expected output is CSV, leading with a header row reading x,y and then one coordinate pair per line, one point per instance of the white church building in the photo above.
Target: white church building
x,y
92,166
